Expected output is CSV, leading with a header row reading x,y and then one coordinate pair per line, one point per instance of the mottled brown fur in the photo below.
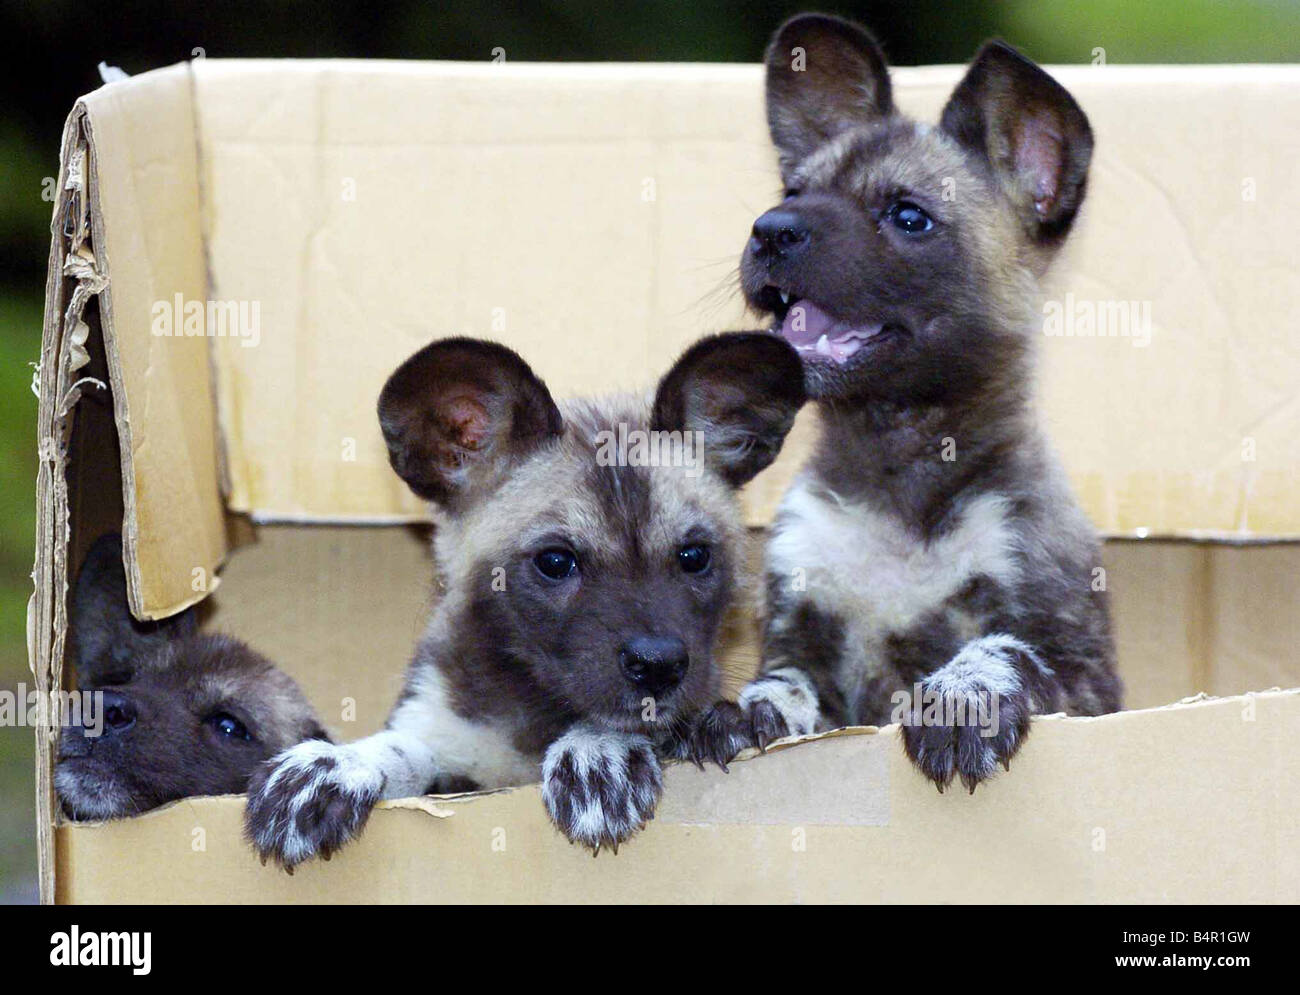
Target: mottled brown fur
x,y
932,536
579,677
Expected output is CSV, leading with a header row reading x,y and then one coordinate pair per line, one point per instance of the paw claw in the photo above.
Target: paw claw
x,y
719,734
967,724
766,723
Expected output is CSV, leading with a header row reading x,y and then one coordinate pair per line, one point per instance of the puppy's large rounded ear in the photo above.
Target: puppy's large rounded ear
x,y
1031,131
740,392
459,413
107,643
824,75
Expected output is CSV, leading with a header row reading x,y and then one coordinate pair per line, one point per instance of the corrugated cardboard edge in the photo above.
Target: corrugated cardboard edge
x,y
125,199
66,296
78,271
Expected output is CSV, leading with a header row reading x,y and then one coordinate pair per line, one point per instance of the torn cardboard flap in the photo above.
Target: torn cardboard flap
x,y
141,194
425,804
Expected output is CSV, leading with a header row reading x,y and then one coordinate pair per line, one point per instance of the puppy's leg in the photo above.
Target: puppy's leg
x,y
974,711
316,796
600,786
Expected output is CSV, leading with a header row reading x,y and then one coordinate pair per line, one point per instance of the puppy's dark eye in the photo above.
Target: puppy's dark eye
x,y
693,559
555,564
791,193
229,726
907,217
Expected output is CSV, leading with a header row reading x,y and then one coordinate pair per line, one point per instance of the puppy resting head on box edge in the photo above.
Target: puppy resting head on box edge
x,y
165,712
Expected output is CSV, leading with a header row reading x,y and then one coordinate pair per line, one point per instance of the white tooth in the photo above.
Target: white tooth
x,y
823,346
785,297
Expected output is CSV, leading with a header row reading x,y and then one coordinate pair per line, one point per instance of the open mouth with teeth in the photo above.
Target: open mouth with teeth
x,y
815,334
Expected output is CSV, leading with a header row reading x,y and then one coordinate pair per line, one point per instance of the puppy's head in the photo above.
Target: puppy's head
x,y
162,712
596,546
900,262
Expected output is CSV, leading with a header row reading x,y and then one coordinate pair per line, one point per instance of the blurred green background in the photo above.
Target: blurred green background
x,y
56,44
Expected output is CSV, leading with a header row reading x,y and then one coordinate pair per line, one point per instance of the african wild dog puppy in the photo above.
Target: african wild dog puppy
x,y
930,562
582,592
176,713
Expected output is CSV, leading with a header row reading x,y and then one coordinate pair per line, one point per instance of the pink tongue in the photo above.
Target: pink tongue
x,y
805,323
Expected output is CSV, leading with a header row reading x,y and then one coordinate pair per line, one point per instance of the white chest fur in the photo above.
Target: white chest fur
x,y
875,574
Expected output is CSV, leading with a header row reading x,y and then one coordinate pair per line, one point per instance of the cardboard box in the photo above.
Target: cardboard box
x,y
591,217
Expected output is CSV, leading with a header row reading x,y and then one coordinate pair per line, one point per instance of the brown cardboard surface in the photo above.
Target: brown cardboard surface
x,y
1191,803
142,179
592,217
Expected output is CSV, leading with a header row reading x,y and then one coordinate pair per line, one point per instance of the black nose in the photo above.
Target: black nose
x,y
655,664
101,715
778,233
118,711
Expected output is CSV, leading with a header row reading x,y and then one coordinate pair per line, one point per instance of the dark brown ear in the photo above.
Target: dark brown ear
x,y
1031,131
740,391
459,413
107,643
824,75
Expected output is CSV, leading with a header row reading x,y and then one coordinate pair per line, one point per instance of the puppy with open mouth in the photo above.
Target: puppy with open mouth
x,y
930,565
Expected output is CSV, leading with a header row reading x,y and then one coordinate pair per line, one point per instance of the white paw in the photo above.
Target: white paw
x,y
600,787
789,693
309,801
